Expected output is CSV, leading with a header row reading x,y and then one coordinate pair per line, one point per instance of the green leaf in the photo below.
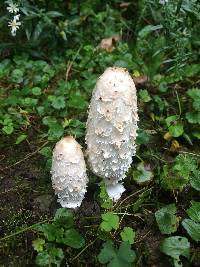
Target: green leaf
x,y
169,120
192,228
38,244
143,174
8,129
194,211
105,201
55,131
64,218
128,235
78,102
124,257
148,29
193,117
166,219
110,221
176,130
144,95
73,239
51,256
50,231
107,253
194,180
20,138
36,91
46,151
176,246
58,102
194,93
196,134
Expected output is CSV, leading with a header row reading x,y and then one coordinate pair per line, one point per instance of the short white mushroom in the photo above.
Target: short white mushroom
x,y
111,127
68,171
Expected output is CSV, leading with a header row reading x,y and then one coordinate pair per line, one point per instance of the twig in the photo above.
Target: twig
x,y
23,230
90,244
70,63
25,158
133,194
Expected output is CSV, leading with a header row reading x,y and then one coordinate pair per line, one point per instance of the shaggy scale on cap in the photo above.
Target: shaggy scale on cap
x,y
112,125
68,171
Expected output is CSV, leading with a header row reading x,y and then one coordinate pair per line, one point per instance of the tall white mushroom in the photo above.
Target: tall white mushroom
x,y
68,171
111,128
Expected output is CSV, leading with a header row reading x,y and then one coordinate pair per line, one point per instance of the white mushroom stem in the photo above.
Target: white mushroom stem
x,y
68,171
115,191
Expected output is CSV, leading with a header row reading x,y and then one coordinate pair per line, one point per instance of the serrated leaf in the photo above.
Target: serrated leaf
x,y
195,180
58,102
51,256
176,246
55,131
73,239
38,244
110,221
124,257
192,228
128,235
166,219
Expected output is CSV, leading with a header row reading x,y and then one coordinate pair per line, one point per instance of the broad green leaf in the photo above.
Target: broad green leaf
x,y
124,257
73,239
169,120
128,235
64,218
192,228
194,211
166,219
38,244
110,221
194,93
193,117
55,131
50,231
143,174
20,138
144,95
107,253
46,151
36,91
195,180
176,246
176,130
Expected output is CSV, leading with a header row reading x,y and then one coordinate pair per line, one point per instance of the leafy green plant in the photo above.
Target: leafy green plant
x,y
122,257
60,232
194,115
183,171
110,221
192,225
176,246
166,219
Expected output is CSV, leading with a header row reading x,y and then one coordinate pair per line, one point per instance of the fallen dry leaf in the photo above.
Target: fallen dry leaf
x,y
140,80
175,146
108,44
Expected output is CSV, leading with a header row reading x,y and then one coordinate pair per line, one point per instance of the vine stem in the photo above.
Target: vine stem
x,y
90,244
23,230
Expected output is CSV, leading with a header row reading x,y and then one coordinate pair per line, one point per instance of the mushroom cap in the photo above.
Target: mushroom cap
x,y
112,125
68,171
